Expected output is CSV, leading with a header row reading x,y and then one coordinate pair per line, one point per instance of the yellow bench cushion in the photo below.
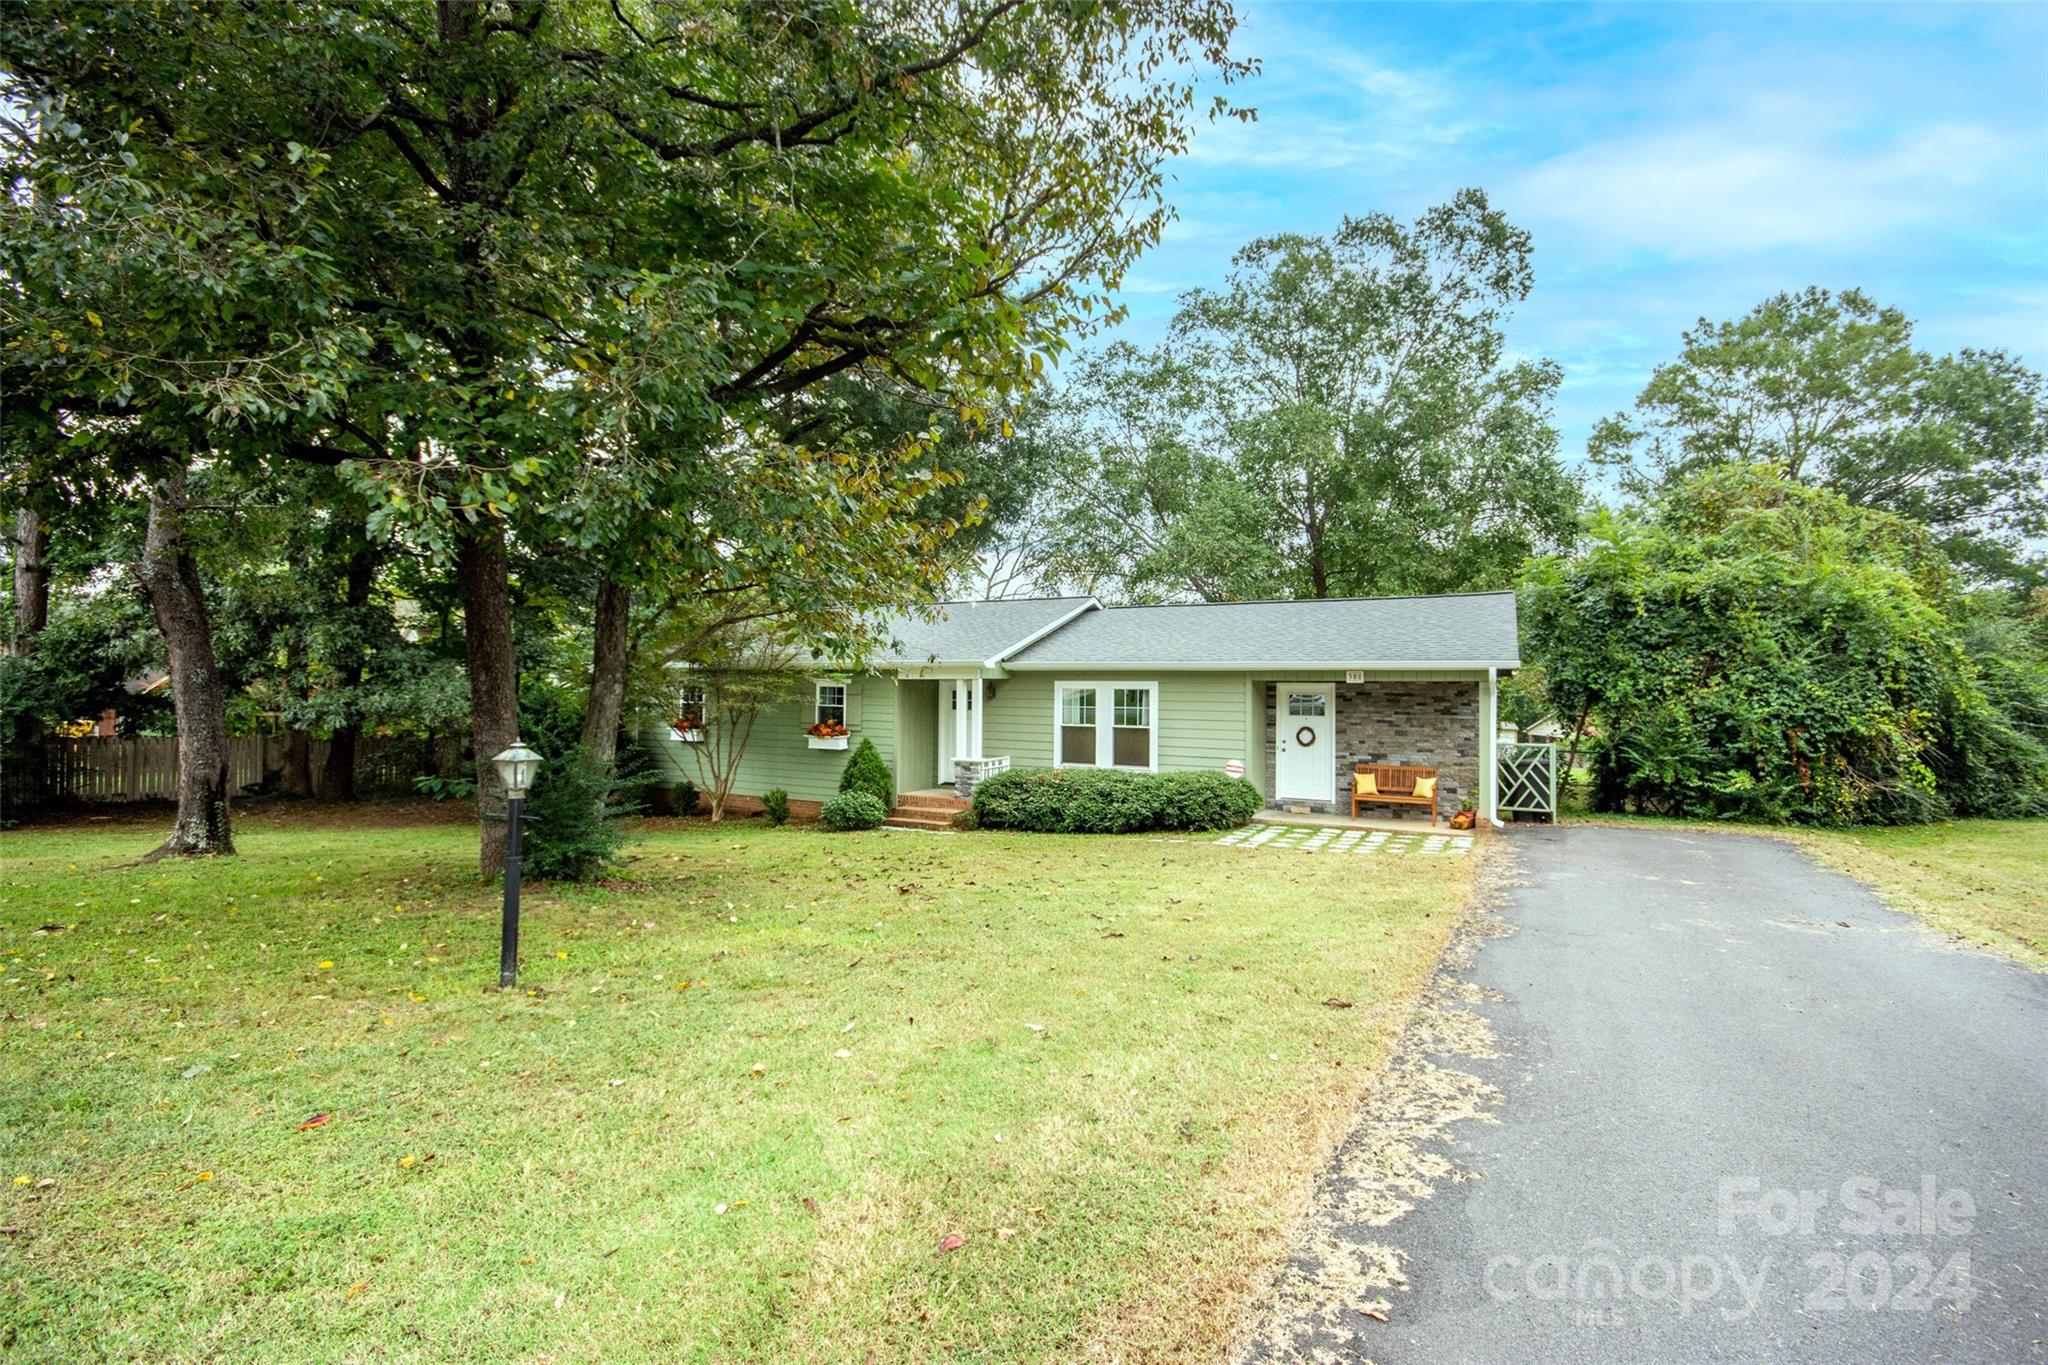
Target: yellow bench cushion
x,y
1366,784
1425,786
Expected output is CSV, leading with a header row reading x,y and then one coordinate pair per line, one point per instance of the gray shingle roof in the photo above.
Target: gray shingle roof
x,y
971,631
1468,629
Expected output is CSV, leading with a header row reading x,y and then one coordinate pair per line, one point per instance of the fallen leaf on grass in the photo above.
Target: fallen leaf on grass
x,y
358,1287
315,1121
405,1162
952,1241
1375,1314
1338,1003
811,1205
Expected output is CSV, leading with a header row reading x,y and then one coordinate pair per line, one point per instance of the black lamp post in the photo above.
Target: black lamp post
x,y
516,767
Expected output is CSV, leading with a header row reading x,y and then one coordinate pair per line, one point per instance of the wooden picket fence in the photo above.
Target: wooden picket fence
x,y
146,769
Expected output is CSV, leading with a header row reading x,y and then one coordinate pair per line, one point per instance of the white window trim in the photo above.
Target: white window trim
x,y
703,713
818,700
1105,721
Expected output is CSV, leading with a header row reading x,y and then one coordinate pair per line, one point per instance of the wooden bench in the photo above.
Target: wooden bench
x,y
1396,784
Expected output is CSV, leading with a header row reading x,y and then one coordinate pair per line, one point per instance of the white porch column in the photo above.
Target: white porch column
x,y
974,728
961,741
1489,747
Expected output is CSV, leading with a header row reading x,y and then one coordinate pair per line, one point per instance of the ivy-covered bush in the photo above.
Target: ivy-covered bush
x,y
852,810
866,771
1749,648
1104,801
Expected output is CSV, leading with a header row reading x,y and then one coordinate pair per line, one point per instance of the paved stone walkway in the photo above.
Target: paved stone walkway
x,y
1337,839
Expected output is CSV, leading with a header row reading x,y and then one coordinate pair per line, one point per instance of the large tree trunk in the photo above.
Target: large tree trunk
x,y
608,657
481,573
171,580
296,778
31,578
338,774
27,785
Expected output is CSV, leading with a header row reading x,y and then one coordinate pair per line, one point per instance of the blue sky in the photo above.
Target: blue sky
x,y
1672,161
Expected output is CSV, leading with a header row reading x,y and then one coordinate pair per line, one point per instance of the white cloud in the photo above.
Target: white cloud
x,y
1326,103
1776,178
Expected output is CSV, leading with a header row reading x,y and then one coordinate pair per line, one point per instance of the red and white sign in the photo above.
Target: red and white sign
x,y
1233,768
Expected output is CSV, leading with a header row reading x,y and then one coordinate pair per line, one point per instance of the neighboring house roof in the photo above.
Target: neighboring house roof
x,y
974,632
1465,630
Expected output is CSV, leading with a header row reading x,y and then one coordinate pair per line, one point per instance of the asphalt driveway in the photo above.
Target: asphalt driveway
x,y
1740,1111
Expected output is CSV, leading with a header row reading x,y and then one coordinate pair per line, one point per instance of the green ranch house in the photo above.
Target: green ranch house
x,y
1295,692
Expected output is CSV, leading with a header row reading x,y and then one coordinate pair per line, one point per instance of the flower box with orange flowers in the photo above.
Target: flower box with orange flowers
x,y
827,734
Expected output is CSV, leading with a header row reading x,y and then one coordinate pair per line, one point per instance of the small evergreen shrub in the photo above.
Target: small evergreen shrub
x,y
852,810
1104,801
776,803
572,829
683,796
866,772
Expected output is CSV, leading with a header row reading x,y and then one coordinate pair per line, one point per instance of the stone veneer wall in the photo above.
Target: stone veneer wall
x,y
1430,724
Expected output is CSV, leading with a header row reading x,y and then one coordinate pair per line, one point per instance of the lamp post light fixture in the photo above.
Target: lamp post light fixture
x,y
516,767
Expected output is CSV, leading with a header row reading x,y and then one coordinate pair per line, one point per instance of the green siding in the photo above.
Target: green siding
x,y
1205,720
778,752
917,729
1202,718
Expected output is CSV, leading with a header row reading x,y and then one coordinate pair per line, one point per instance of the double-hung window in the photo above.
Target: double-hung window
x,y
689,722
1106,725
831,704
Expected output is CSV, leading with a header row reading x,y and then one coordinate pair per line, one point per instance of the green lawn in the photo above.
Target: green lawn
x,y
1981,880
751,1086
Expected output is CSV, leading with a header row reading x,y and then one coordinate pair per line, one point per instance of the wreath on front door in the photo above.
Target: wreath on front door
x,y
1305,737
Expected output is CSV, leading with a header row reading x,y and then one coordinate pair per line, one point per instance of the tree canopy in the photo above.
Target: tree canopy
x,y
582,276
1829,390
1341,418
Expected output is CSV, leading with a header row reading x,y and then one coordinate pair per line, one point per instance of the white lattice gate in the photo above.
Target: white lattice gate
x,y
1528,780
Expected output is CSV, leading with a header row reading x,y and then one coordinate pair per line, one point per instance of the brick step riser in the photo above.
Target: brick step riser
x,y
951,806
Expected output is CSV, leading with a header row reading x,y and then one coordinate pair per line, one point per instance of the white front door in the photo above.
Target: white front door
x,y
1304,741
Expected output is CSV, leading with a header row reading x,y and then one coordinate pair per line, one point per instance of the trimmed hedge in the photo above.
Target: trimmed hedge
x,y
852,810
1104,801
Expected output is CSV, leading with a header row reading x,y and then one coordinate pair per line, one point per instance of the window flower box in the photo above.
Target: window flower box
x,y
827,734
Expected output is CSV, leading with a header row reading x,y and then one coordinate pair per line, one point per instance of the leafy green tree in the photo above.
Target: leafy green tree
x,y
1829,389
1748,647
520,244
1340,418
